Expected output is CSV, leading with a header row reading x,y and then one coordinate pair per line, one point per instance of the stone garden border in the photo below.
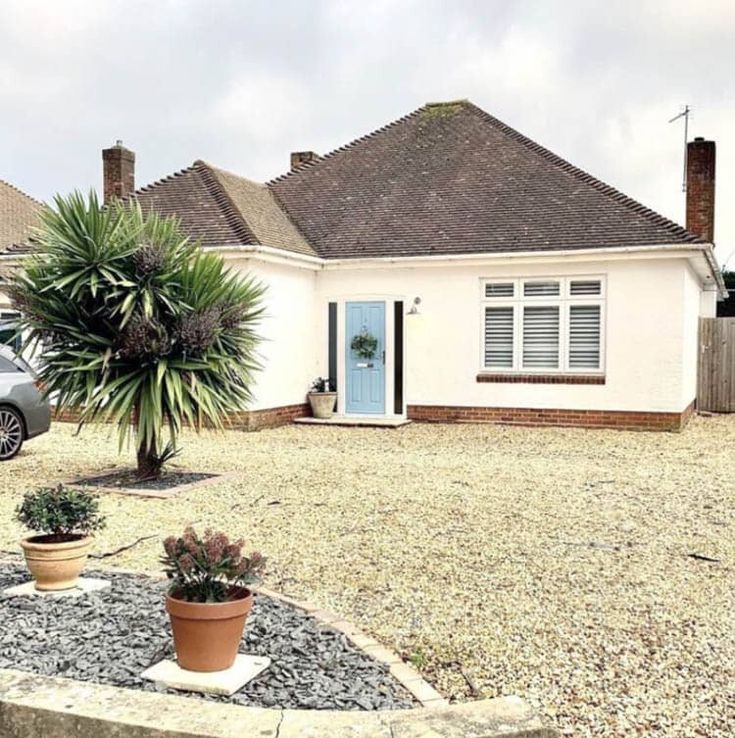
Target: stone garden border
x,y
402,672
55,707
161,494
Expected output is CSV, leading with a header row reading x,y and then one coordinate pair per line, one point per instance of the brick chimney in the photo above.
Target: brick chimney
x,y
701,188
299,158
118,171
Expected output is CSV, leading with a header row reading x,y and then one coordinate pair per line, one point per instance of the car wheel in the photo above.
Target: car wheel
x,y
11,433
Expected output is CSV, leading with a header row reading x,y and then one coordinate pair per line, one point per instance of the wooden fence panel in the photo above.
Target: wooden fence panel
x,y
716,365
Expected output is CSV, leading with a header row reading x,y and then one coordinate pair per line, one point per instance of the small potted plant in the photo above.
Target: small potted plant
x,y
322,397
208,599
63,520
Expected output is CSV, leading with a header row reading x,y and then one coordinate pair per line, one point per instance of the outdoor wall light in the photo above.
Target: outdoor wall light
x,y
415,307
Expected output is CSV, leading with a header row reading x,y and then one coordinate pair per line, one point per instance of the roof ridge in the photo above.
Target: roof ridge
x,y
347,146
213,168
235,218
589,179
271,193
21,192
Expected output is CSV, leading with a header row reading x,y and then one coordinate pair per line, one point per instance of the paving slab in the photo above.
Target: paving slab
x,y
85,585
364,421
168,674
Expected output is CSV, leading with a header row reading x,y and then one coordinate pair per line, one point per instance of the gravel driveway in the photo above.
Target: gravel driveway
x,y
555,564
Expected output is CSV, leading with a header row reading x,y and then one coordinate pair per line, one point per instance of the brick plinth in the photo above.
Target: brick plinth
x,y
247,420
269,418
620,420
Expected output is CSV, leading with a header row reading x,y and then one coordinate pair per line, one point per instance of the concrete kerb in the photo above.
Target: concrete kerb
x,y
54,707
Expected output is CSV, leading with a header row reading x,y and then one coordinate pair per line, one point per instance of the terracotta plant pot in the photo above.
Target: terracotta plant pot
x,y
322,404
56,565
207,634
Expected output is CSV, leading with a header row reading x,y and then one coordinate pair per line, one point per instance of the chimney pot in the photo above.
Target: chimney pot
x,y
118,172
299,158
700,200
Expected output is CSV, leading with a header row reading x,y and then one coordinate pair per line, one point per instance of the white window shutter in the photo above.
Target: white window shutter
x,y
541,337
499,337
499,289
541,289
584,337
585,287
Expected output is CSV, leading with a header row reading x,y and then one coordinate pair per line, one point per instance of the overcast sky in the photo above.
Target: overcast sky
x,y
241,84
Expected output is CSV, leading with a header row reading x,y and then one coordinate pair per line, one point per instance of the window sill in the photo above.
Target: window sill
x,y
493,377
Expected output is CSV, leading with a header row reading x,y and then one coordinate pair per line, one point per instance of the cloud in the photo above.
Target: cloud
x,y
243,84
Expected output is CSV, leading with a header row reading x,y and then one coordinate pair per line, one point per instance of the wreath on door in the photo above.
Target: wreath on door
x,y
364,344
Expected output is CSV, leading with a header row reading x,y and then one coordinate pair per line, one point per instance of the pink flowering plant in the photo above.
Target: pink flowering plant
x,y
207,568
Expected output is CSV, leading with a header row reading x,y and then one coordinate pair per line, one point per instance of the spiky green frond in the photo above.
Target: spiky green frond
x,y
135,324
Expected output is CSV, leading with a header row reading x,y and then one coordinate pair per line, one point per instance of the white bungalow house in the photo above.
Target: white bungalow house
x,y
498,281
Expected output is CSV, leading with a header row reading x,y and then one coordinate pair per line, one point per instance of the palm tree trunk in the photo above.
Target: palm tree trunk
x,y
148,466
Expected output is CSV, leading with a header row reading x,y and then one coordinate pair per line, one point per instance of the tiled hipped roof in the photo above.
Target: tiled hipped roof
x,y
451,179
219,208
446,179
18,215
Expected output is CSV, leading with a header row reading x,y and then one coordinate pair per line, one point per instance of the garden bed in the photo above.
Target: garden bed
x,y
125,481
111,637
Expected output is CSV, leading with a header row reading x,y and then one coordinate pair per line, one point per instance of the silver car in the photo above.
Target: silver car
x,y
24,411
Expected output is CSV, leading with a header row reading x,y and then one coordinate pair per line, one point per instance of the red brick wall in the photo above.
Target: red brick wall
x,y
541,378
553,417
243,420
270,418
251,420
65,416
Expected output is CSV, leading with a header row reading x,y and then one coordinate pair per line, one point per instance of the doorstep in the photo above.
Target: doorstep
x,y
370,421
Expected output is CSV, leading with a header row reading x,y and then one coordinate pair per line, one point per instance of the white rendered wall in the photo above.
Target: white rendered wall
x,y
289,349
708,303
648,336
652,310
691,312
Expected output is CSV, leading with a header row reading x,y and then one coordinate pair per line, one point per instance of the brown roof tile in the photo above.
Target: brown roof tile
x,y
18,215
219,208
451,179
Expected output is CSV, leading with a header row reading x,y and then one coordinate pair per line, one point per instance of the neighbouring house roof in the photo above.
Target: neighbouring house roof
x,y
219,208
18,215
451,179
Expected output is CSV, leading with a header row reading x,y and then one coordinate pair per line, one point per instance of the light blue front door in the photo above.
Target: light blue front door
x,y
365,374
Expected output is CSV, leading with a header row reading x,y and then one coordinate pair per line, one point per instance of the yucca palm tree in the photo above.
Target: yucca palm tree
x,y
134,324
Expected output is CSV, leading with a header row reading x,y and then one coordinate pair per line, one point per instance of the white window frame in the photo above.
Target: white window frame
x,y
564,301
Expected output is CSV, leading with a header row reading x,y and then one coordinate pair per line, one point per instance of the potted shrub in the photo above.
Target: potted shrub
x,y
322,397
208,599
63,520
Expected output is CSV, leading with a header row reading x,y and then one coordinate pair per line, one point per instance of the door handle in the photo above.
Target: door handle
x,y
384,357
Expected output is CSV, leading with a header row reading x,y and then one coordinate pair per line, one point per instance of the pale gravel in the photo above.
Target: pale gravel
x,y
549,563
